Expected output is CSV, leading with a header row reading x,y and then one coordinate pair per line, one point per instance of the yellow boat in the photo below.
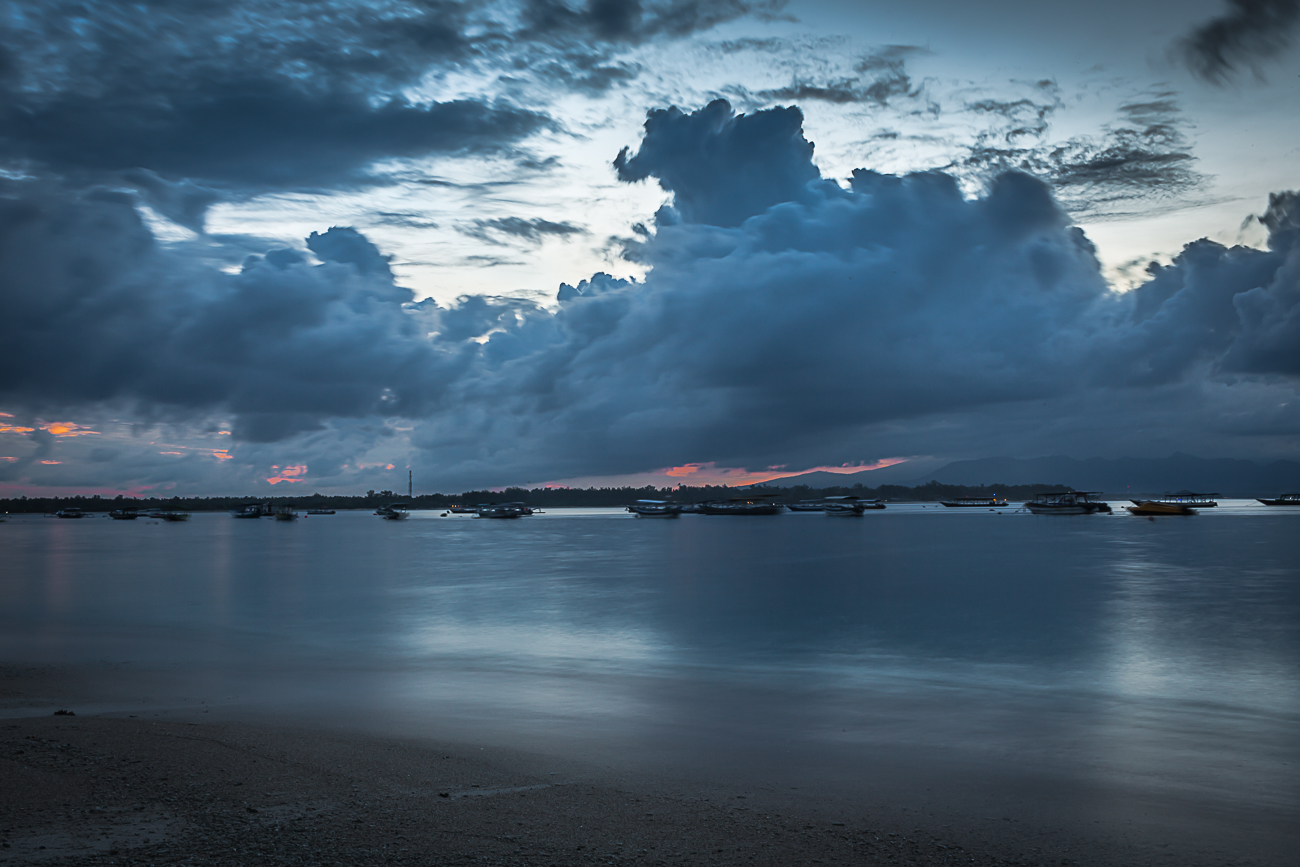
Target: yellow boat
x,y
1155,507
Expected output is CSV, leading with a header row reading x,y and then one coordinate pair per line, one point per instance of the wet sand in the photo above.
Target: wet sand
x,y
98,790
159,788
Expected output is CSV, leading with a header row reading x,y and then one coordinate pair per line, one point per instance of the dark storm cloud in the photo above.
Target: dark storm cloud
x,y
709,159
96,312
783,318
191,103
1249,32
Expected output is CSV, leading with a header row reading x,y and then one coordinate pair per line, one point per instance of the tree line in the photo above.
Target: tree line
x,y
538,497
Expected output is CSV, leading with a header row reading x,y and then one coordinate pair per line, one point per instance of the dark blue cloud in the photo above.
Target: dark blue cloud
x,y
1250,31
783,319
723,168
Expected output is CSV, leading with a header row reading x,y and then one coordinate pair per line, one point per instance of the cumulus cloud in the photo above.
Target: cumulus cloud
x,y
1250,31
784,318
710,160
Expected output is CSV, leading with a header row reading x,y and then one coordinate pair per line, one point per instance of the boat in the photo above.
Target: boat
x,y
1071,503
70,513
504,510
465,510
805,506
394,512
993,502
1158,507
253,510
287,512
759,504
320,511
1284,500
124,514
655,509
849,506
171,515
1182,498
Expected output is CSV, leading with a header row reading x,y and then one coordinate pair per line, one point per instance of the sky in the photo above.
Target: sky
x,y
268,246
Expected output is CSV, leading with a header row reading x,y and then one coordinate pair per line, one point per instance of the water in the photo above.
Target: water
x,y
959,659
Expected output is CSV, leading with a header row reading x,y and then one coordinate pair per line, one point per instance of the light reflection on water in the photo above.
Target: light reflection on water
x,y
1165,650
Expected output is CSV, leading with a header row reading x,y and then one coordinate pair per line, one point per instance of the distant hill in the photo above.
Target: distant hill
x,y
1128,476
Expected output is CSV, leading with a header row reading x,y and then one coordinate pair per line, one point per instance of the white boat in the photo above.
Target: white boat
x,y
69,513
1182,498
655,509
1072,503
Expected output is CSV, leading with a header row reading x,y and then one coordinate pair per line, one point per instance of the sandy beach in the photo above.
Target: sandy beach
x,y
153,788
97,790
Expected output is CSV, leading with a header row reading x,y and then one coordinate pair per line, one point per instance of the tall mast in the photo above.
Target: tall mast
x,y
409,487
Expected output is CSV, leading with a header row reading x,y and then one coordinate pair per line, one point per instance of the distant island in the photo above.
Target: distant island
x,y
541,497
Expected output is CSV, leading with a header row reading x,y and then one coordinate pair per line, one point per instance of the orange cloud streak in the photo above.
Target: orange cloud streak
x,y
287,474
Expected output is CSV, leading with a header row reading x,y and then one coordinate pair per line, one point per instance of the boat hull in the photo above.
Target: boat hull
x,y
1281,501
1052,509
741,509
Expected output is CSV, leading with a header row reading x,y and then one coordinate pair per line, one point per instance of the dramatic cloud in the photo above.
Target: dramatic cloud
x,y
783,319
194,103
1250,32
712,161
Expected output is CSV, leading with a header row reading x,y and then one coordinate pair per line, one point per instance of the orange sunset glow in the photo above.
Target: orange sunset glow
x,y
288,474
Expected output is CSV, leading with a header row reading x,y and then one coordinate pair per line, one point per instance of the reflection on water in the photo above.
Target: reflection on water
x,y
1161,650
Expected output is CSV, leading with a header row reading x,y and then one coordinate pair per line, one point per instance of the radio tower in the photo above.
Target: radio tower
x,y
409,488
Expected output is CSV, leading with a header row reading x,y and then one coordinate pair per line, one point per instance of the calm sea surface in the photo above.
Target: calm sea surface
x,y
1103,658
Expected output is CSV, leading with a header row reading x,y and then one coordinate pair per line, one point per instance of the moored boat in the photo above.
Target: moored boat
x,y
756,505
464,510
252,510
124,514
394,512
655,509
805,506
1182,498
1158,507
504,510
320,511
286,512
975,502
1284,500
849,506
171,515
1071,503
70,513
